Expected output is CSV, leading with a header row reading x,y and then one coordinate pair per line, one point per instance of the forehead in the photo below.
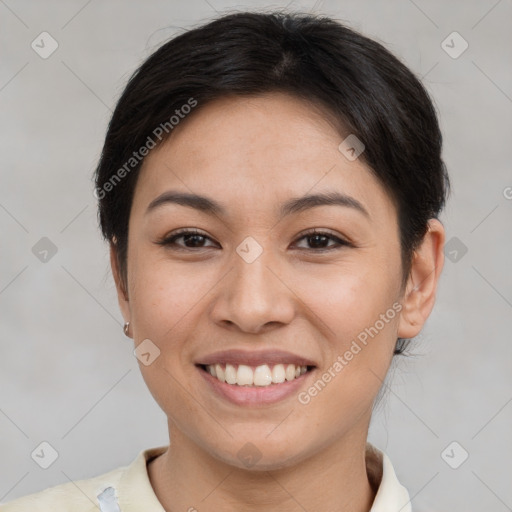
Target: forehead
x,y
253,152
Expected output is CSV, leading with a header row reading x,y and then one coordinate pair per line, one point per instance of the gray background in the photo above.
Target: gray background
x,y
67,373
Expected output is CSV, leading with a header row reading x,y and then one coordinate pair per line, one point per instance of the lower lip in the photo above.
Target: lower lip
x,y
255,395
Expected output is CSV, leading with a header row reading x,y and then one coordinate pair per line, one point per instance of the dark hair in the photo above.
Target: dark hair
x,y
355,81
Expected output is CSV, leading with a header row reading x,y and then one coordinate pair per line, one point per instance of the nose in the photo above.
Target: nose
x,y
253,296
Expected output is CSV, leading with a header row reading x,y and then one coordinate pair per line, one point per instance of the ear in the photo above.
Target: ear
x,y
420,292
122,294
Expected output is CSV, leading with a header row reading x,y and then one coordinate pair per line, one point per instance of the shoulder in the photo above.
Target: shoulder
x,y
78,496
127,488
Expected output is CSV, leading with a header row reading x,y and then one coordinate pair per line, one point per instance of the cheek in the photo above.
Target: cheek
x,y
359,321
348,299
162,296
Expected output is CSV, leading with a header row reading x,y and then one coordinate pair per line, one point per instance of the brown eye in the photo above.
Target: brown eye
x,y
192,239
319,240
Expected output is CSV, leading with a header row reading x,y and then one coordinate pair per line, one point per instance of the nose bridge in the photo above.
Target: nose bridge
x,y
252,294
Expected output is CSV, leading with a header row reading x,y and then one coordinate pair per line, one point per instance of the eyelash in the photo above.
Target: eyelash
x,y
171,240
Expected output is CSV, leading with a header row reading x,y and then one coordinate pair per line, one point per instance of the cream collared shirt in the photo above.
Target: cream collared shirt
x,y
128,489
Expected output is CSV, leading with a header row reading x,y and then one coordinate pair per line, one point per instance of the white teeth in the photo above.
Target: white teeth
x,y
220,373
263,375
290,372
278,374
244,376
230,374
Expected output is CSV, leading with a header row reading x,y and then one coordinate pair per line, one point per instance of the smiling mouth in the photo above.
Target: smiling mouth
x,y
255,376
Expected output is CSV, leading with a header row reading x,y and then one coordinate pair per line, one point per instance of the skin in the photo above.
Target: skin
x,y
251,155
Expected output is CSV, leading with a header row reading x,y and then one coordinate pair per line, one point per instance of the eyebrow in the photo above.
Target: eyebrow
x,y
294,205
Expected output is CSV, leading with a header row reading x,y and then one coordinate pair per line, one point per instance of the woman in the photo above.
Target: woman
x,y
269,187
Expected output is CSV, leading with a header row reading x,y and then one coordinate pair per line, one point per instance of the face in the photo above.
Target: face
x,y
254,287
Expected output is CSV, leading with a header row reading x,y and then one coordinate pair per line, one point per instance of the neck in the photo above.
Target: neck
x,y
186,477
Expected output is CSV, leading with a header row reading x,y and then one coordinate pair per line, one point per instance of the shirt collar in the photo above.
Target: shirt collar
x,y
391,495
135,490
136,493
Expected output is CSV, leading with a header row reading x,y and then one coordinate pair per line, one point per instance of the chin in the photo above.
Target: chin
x,y
259,454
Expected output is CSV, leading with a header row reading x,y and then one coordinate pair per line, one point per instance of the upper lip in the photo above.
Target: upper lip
x,y
254,358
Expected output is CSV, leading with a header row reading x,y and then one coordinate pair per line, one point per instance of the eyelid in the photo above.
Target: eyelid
x,y
323,231
340,241
167,239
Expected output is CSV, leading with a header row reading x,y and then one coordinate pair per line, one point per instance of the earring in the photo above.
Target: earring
x,y
126,327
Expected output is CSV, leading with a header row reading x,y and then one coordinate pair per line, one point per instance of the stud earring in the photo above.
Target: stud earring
x,y
126,327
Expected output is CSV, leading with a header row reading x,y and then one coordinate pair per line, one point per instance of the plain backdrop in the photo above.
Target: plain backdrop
x,y
68,376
